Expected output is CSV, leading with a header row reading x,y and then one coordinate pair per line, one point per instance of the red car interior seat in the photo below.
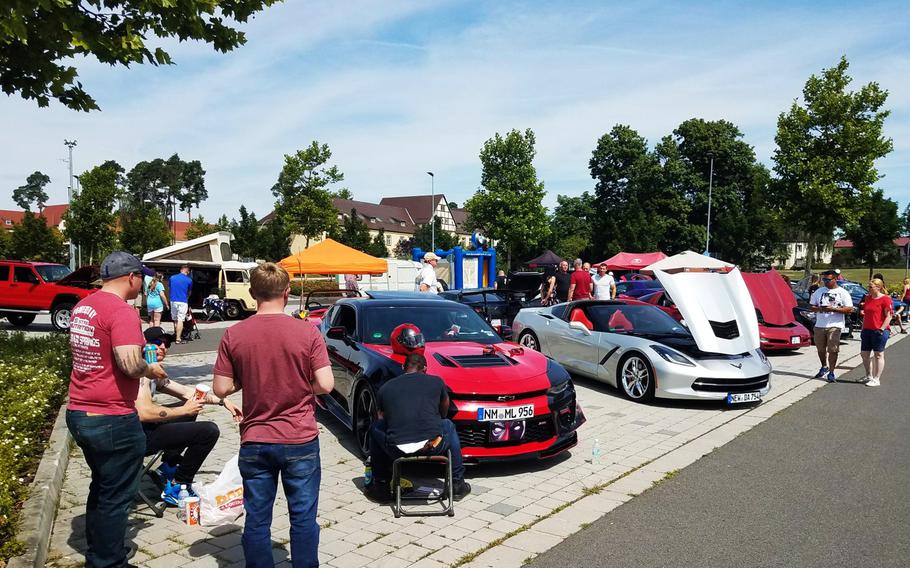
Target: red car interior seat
x,y
578,314
618,321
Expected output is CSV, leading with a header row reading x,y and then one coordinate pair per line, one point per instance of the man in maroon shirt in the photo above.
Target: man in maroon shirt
x,y
106,341
581,285
281,363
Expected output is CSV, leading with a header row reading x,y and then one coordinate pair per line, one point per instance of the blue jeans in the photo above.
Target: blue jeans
x,y
383,452
300,471
113,447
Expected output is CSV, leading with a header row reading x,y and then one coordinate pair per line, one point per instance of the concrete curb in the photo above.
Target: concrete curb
x,y
40,509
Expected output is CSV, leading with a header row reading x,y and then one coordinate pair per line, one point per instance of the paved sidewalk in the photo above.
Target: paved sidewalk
x,y
515,511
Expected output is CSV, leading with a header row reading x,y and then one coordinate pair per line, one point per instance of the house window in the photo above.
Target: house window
x,y
799,248
388,240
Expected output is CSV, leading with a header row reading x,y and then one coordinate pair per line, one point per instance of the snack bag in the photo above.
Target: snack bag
x,y
222,500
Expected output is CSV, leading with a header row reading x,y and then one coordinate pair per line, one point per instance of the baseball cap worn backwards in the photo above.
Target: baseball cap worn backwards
x,y
121,263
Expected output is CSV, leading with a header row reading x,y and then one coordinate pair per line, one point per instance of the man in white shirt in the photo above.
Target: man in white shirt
x,y
426,278
830,303
604,285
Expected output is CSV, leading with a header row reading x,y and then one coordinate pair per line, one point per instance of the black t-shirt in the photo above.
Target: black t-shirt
x,y
500,282
563,281
410,404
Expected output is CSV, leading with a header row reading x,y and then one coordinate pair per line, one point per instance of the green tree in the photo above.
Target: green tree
x,y
744,223
905,220
377,246
508,206
423,237
826,152
453,205
223,223
166,184
874,231
32,192
33,239
304,192
354,232
143,231
5,244
198,228
344,193
246,234
273,242
403,248
39,39
90,222
572,225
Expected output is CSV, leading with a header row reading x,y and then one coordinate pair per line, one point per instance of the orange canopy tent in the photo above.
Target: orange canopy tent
x,y
332,257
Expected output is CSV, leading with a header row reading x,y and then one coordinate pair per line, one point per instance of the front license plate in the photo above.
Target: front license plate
x,y
500,413
794,340
735,398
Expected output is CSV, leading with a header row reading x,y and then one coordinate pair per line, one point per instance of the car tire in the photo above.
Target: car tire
x,y
233,310
20,320
635,378
60,316
364,416
529,339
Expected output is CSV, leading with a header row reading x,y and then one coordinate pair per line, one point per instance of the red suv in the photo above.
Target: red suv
x,y
28,288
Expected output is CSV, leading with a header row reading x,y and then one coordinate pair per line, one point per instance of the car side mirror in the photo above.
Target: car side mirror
x,y
337,332
578,326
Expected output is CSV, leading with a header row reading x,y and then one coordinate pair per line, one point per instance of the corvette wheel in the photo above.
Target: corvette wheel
x,y
529,339
636,379
364,415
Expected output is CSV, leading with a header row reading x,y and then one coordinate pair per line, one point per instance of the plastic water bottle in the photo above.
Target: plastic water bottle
x,y
181,502
368,472
595,451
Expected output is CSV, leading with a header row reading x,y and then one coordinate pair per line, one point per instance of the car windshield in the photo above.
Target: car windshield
x,y
443,322
635,320
53,272
854,288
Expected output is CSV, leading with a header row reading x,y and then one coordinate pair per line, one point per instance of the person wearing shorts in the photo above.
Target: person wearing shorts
x,y
180,286
156,300
830,304
877,314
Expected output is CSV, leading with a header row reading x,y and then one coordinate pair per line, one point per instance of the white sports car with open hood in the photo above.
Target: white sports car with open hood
x,y
646,353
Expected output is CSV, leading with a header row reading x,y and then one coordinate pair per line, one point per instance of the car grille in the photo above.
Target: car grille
x,y
477,434
477,361
725,329
730,385
497,397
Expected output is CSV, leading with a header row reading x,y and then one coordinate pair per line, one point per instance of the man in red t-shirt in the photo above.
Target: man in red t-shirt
x,y
580,285
281,363
106,341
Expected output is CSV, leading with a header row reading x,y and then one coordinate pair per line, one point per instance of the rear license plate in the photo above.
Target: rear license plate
x,y
738,397
496,414
495,322
794,340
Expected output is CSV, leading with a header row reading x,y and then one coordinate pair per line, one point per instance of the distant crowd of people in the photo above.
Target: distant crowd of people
x,y
562,285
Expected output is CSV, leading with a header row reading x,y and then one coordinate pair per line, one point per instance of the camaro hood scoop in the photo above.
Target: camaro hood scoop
x,y
716,307
475,361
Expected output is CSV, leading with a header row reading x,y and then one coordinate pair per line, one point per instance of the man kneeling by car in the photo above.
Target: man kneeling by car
x,y
411,421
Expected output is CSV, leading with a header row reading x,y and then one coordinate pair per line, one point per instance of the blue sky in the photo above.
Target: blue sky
x,y
397,88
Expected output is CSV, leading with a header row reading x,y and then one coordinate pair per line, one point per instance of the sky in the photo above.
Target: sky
x,y
398,88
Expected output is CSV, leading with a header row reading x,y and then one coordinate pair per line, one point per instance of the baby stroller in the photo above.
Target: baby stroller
x,y
190,329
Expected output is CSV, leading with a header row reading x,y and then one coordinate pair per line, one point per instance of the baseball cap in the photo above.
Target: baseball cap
x,y
430,256
157,336
120,263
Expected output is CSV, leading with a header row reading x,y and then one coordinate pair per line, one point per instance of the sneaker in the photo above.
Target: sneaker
x,y
166,472
865,379
831,378
873,383
821,372
171,493
378,492
461,489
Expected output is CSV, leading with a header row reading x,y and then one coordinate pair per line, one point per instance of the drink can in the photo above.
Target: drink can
x,y
201,392
151,353
192,506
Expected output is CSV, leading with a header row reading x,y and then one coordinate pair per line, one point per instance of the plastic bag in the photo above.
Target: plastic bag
x,y
222,500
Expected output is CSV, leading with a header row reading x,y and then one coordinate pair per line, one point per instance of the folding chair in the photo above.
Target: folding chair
x,y
155,504
214,308
446,498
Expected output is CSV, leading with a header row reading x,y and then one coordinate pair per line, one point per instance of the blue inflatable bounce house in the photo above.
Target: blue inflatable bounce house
x,y
470,268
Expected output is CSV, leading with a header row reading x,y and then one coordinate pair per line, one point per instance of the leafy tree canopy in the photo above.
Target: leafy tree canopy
x,y
508,206
572,226
161,183
90,221
198,228
32,192
304,192
423,237
143,231
5,244
874,231
39,38
378,247
33,239
354,232
246,234
273,242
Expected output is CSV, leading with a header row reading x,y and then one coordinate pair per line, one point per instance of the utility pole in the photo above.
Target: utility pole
x,y
71,144
432,212
710,188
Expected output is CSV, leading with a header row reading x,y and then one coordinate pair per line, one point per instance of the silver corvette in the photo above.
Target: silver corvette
x,y
642,351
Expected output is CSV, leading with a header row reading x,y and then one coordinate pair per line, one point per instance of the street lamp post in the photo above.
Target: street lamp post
x,y
71,144
432,211
710,188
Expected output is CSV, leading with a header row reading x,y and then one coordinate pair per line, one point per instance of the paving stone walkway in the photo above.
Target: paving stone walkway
x,y
514,512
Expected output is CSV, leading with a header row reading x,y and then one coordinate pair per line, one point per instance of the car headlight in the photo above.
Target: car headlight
x,y
672,356
763,357
559,378
558,389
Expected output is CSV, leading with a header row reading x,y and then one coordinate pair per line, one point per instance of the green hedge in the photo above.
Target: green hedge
x,y
34,374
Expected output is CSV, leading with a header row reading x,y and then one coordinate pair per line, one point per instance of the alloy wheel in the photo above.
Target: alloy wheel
x,y
635,376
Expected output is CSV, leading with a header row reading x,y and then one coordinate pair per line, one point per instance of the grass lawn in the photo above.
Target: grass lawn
x,y
893,276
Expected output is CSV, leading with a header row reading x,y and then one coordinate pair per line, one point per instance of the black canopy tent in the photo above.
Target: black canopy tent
x,y
548,258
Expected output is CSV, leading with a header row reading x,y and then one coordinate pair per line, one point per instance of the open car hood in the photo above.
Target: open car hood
x,y
84,277
771,296
716,307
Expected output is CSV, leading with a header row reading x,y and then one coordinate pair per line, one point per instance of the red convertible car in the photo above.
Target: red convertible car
x,y
507,402
774,306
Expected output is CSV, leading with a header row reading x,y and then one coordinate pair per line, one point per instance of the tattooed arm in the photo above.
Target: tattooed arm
x,y
130,360
150,412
